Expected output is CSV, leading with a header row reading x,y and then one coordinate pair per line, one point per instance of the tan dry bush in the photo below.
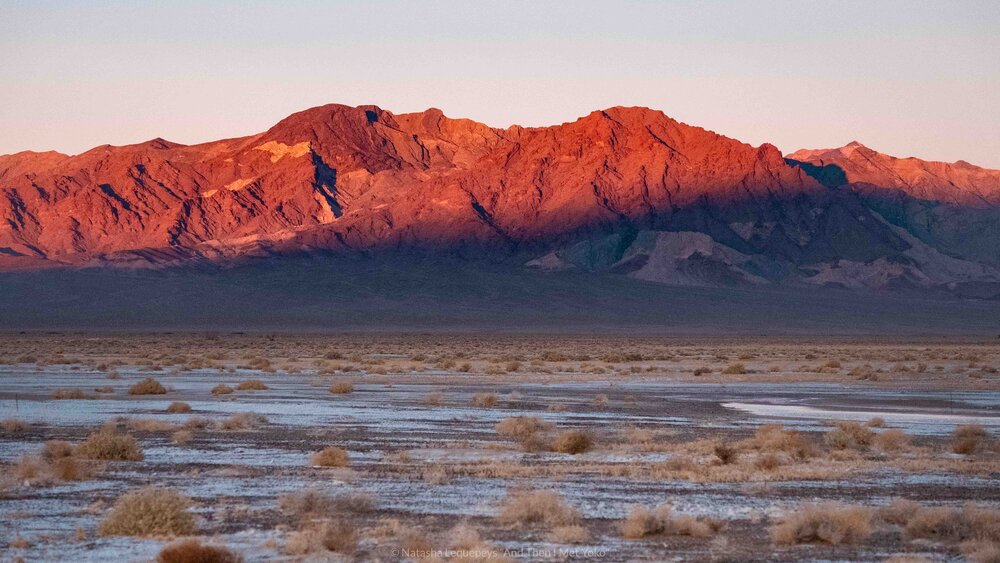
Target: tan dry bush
x,y
485,400
831,523
906,558
354,502
56,449
573,442
252,385
222,389
521,427
31,469
700,371
306,504
572,534
643,522
342,388
734,369
536,507
179,407
242,421
876,422
849,436
981,551
600,400
330,457
149,512
68,394
335,535
196,423
436,475
148,425
767,462
14,426
191,550
434,399
70,469
891,440
110,446
969,523
635,435
898,512
148,386
106,389
725,454
968,439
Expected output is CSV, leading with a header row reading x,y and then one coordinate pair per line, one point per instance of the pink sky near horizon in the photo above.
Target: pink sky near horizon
x,y
907,78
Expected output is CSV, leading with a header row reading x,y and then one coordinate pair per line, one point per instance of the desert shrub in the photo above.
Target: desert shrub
x,y
775,438
148,425
735,369
968,439
536,507
68,394
981,551
876,422
521,427
355,502
56,449
969,523
30,468
330,457
191,550
242,421
222,389
898,512
14,426
568,534
252,385
342,388
849,436
435,399
105,389
69,469
699,371
178,407
148,386
725,453
196,423
767,462
306,504
485,400
573,442
108,445
891,440
643,522
149,511
337,536
830,523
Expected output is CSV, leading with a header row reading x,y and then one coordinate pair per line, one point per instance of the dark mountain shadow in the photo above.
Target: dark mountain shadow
x,y
830,175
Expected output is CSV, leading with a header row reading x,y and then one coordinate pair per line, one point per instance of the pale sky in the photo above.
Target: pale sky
x,y
909,78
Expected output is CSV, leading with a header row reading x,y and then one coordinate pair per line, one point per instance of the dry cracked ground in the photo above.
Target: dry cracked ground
x,y
436,447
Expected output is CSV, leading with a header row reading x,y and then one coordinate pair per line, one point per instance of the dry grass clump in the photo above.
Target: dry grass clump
x,y
182,437
849,436
775,438
14,426
891,440
969,523
734,369
725,454
968,439
242,421
108,445
104,389
981,552
179,407
521,427
898,512
148,425
56,449
306,504
485,400
536,507
569,534
149,512
342,388
876,422
222,389
600,400
191,550
335,535
434,399
330,457
68,394
252,385
644,522
148,386
830,523
573,442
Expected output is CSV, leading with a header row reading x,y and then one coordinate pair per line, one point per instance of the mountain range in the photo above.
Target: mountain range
x,y
624,192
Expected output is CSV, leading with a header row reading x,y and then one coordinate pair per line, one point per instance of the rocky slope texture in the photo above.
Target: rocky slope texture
x,y
625,190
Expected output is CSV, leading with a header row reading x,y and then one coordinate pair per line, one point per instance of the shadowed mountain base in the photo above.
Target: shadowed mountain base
x,y
406,293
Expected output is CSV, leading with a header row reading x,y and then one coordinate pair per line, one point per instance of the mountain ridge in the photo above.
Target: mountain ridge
x,y
626,190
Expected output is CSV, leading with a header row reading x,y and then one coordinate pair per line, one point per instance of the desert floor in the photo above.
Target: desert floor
x,y
516,447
